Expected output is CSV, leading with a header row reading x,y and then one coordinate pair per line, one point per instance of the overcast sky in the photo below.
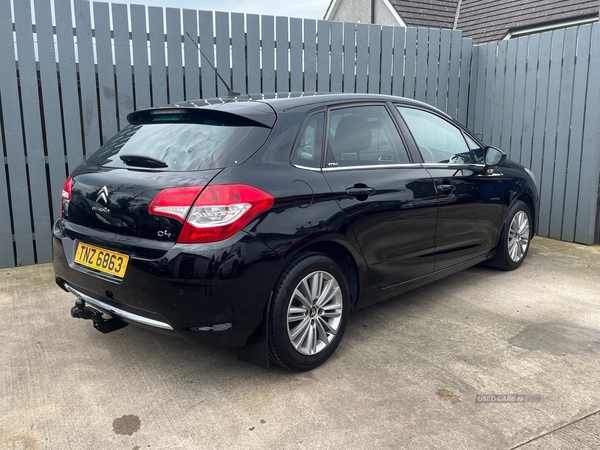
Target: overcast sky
x,y
313,9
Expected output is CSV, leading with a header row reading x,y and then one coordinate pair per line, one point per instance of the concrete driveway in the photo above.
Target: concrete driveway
x,y
407,374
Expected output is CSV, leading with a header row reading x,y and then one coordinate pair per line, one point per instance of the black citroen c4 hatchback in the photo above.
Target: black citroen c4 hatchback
x,y
261,222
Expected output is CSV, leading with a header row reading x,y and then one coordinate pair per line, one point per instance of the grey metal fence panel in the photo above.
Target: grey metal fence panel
x,y
488,101
174,55
323,49
223,51
398,75
310,55
587,206
466,61
529,103
454,73
191,55
139,41
444,67
547,180
410,62
87,77
157,55
207,46
362,57
349,57
7,254
387,36
30,105
54,141
519,99
509,95
422,47
499,93
106,77
472,86
122,48
433,64
282,54
13,136
238,53
575,144
537,151
253,52
68,83
268,53
480,89
374,58
562,133
296,55
337,31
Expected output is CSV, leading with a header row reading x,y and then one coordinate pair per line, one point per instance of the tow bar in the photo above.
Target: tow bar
x,y
80,311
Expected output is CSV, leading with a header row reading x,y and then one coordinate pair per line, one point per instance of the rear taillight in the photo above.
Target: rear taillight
x,y
66,195
174,202
218,213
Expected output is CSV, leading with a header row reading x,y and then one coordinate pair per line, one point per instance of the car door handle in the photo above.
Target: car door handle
x,y
446,188
358,191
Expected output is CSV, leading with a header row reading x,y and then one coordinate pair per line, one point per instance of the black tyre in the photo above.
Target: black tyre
x,y
309,312
516,236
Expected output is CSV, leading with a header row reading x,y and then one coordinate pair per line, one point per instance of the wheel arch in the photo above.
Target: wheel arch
x,y
351,264
344,258
528,200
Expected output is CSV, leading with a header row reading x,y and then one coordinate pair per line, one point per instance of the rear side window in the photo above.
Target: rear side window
x,y
363,136
182,146
307,151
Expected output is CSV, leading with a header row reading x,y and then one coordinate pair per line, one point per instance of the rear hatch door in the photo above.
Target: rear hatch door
x,y
161,148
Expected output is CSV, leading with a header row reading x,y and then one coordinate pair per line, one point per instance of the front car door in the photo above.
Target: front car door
x,y
470,200
389,201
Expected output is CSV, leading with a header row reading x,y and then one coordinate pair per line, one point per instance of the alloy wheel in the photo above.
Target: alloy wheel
x,y
314,313
518,236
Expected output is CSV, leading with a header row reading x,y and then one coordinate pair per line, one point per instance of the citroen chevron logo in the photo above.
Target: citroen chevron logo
x,y
102,195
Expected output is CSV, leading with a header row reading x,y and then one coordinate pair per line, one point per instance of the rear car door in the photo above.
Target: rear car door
x,y
389,201
470,200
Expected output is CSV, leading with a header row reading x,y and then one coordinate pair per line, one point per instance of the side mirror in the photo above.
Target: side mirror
x,y
493,157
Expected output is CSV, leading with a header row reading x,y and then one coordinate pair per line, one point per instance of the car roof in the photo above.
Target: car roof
x,y
281,102
263,108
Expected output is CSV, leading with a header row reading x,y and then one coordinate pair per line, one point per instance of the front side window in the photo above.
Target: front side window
x,y
363,136
476,150
438,141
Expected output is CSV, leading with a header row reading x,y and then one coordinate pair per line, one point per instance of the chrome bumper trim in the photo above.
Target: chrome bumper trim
x,y
119,312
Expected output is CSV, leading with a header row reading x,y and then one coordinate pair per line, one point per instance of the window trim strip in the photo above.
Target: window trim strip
x,y
374,166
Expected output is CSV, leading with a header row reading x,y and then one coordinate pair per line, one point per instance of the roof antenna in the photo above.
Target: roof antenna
x,y
230,92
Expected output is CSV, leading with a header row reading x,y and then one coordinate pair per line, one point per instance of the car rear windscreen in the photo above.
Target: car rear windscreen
x,y
181,146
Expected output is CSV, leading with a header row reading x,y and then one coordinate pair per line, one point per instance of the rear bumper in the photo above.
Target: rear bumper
x,y
115,311
185,292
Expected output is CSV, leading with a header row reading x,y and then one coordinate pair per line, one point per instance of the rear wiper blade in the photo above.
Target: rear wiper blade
x,y
142,161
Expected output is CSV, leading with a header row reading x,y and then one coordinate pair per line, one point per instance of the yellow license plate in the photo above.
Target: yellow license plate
x,y
101,259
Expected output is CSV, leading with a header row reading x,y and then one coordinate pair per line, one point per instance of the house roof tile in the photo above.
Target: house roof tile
x,y
490,20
